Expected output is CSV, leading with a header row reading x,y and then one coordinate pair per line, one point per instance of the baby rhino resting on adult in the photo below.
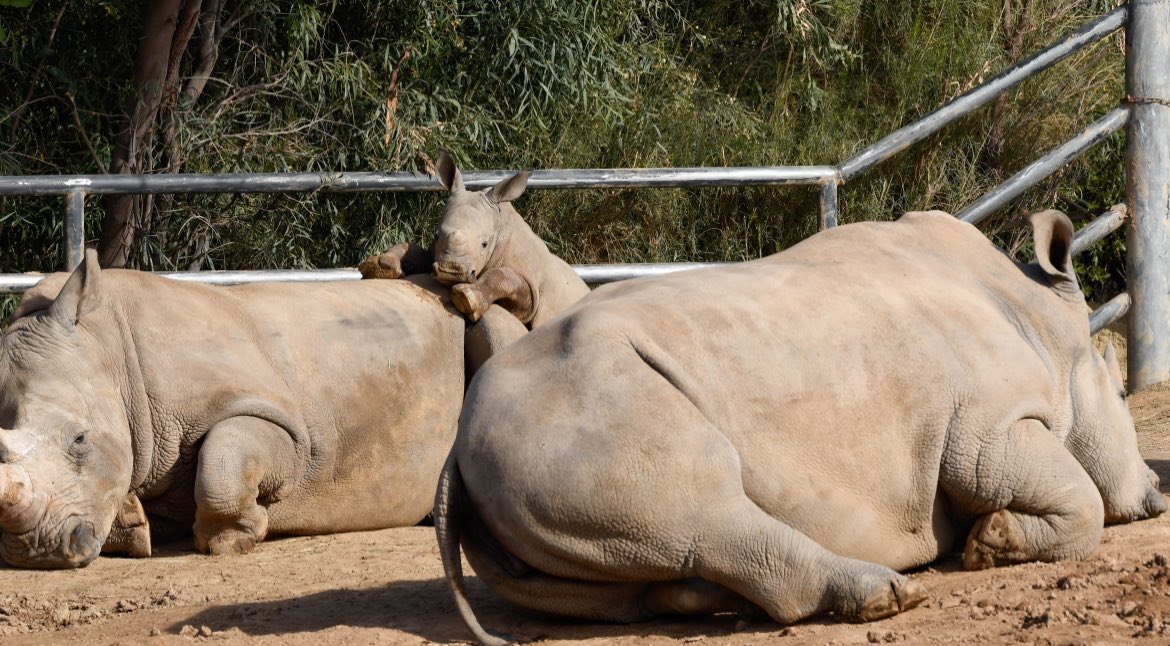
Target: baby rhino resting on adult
x,y
487,253
786,434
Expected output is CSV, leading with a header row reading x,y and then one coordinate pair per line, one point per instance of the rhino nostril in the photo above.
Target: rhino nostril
x,y
83,545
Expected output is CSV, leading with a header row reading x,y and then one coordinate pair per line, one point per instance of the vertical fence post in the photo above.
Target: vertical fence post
x,y
828,205
1147,165
74,229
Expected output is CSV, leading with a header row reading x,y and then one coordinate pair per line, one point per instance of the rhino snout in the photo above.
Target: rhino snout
x,y
82,546
78,546
450,272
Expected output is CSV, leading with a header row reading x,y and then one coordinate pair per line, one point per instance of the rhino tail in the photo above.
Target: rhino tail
x,y
450,512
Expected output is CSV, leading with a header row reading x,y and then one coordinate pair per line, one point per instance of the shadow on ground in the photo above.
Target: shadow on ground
x,y
1162,468
425,609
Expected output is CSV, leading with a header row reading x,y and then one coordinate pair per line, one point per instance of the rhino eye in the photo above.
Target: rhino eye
x,y
80,439
484,244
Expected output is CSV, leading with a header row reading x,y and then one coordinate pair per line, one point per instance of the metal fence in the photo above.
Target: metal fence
x,y
1146,110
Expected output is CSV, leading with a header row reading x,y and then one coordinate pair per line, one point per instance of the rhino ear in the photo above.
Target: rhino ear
x,y
1052,234
1113,366
510,188
81,293
448,173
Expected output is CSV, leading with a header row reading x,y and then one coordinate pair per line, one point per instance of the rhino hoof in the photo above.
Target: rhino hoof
x,y
229,545
996,539
467,300
902,594
385,266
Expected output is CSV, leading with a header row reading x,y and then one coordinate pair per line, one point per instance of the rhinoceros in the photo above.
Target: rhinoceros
x,y
787,434
487,253
241,411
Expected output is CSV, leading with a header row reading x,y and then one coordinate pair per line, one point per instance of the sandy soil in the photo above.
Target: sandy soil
x,y
385,587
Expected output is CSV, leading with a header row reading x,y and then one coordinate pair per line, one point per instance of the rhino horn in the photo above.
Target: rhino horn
x,y
15,445
81,293
448,173
15,499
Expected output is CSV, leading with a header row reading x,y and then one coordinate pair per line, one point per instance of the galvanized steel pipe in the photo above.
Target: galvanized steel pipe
x,y
1101,226
828,205
405,182
1000,83
1043,167
1111,311
591,274
74,229
1147,166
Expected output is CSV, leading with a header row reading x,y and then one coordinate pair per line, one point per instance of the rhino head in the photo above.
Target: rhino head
x,y
474,224
1102,436
65,444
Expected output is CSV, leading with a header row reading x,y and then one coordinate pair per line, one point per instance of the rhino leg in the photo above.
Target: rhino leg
x,y
501,285
621,602
403,259
244,462
789,575
130,532
1032,500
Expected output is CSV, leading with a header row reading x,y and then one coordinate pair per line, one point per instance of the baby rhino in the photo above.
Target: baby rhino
x,y
487,253
789,433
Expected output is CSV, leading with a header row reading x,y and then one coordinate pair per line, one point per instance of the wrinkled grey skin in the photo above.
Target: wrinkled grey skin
x,y
240,411
786,434
487,253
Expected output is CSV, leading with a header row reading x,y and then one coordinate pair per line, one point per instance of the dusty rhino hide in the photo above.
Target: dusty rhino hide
x,y
487,253
239,411
786,434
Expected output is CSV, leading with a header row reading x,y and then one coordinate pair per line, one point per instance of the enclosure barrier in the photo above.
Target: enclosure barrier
x,y
1146,111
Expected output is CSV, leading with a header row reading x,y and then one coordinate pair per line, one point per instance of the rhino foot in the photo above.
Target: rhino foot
x,y
130,532
900,595
468,299
226,543
996,539
384,266
239,535
871,592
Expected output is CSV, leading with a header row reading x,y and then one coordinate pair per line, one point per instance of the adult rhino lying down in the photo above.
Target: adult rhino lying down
x,y
245,411
788,433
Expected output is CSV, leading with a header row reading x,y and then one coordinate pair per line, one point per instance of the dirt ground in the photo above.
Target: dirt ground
x,y
385,588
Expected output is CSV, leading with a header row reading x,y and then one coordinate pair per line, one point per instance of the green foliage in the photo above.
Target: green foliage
x,y
306,86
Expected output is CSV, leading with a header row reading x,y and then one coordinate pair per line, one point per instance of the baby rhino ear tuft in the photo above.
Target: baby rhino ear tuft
x,y
81,293
1052,235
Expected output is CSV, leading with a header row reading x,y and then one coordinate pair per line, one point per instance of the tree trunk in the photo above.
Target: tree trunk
x,y
123,212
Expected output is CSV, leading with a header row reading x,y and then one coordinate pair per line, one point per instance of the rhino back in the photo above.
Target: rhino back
x,y
369,372
865,345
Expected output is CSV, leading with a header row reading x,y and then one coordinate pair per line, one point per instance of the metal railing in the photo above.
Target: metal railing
x,y
1148,87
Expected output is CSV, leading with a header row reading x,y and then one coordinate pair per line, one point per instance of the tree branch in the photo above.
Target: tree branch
x,y
32,84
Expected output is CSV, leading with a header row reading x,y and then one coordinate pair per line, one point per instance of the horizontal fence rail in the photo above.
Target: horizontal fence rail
x,y
977,97
1043,167
828,178
412,182
1110,312
591,274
